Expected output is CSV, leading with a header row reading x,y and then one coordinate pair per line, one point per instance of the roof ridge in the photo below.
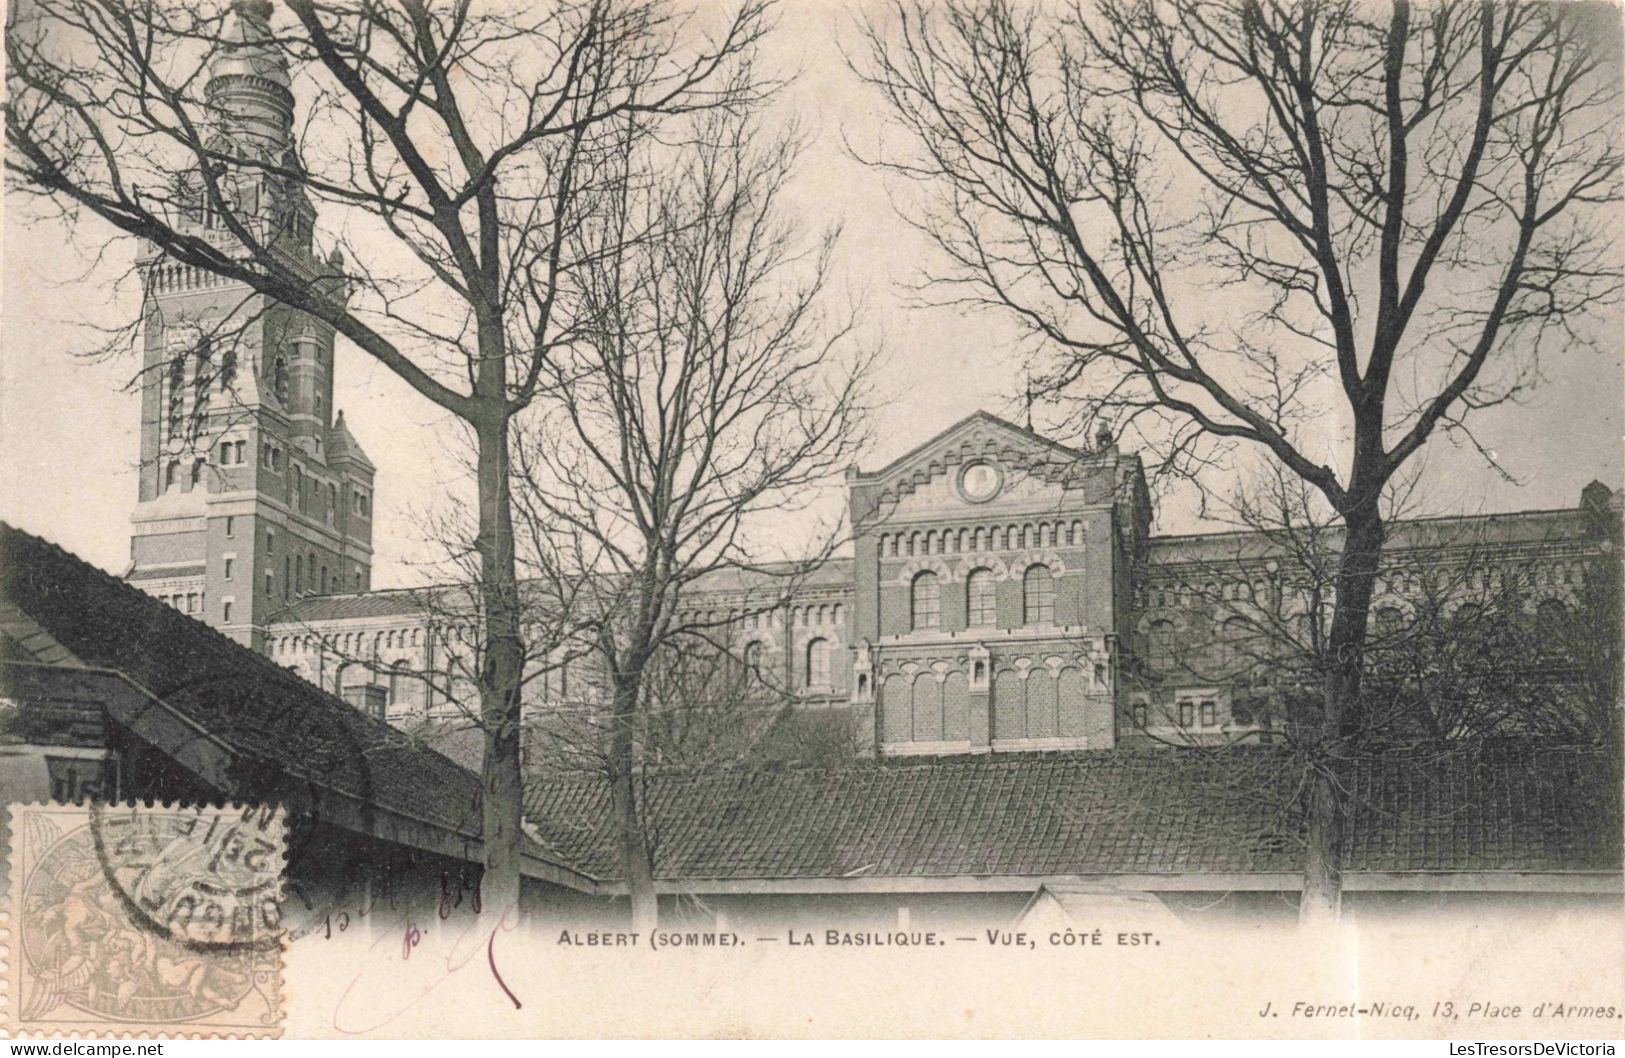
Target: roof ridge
x,y
257,659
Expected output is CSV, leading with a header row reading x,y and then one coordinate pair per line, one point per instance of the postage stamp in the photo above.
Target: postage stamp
x,y
145,920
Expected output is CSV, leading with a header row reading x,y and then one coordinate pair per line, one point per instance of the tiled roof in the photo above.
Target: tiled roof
x,y
779,576
417,602
167,572
402,602
275,723
1465,531
1111,812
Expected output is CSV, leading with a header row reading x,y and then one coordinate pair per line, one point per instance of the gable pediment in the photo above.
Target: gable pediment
x,y
984,465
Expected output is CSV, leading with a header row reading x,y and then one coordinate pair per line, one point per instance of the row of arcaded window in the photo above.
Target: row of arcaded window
x,y
815,658
1013,537
981,596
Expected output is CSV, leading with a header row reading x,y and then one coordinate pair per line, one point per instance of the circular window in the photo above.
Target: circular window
x,y
979,481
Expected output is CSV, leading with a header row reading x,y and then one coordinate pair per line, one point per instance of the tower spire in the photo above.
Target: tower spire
x,y
249,87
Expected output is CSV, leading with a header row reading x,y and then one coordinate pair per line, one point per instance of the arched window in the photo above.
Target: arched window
x,y
1162,637
925,601
299,574
818,663
172,475
1234,635
1552,617
200,398
197,472
753,658
279,379
835,613
1038,593
980,595
397,682
177,398
324,580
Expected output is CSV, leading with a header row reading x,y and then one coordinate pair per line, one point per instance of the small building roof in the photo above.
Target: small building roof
x,y
1159,812
274,724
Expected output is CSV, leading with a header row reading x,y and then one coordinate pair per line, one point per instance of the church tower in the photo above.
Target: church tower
x,y
252,494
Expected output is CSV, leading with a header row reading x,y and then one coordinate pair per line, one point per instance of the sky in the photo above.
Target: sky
x,y
68,425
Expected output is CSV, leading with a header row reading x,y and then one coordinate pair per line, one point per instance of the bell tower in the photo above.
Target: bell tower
x,y
253,493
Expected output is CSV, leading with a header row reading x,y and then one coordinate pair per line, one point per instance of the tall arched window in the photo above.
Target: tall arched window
x,y
925,601
279,380
818,663
177,399
1234,636
299,574
1162,638
397,682
979,598
172,475
1038,591
753,658
202,377
1552,619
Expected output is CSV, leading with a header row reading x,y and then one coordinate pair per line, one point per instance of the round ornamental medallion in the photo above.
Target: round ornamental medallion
x,y
979,482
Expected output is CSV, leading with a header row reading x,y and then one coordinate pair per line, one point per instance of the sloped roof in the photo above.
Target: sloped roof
x,y
457,599
341,444
1111,812
776,576
276,725
1004,425
392,603
1469,531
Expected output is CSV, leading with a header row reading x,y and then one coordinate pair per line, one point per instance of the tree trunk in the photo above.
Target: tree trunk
x,y
501,675
635,859
1344,665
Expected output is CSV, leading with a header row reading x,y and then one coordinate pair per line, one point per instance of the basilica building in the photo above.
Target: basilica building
x,y
1003,592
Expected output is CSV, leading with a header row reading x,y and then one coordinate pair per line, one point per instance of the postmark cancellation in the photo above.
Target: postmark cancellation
x,y
147,920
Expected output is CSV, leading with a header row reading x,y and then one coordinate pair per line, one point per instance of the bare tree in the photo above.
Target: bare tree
x,y
1400,209
710,392
1484,629
458,150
